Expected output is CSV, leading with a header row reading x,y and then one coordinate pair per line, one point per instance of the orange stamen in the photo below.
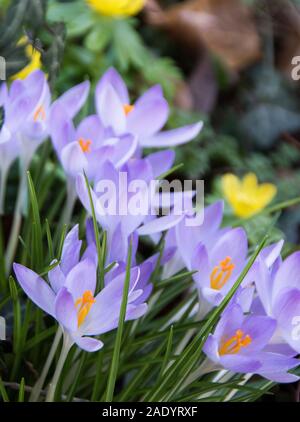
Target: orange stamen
x,y
221,273
235,343
85,144
83,305
128,108
39,114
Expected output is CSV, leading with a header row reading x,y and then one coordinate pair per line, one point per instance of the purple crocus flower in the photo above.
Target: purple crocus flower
x,y
144,119
86,147
239,344
278,290
219,266
70,297
121,223
183,238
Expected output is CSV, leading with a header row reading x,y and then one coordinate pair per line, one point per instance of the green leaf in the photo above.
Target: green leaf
x,y
116,353
21,390
100,280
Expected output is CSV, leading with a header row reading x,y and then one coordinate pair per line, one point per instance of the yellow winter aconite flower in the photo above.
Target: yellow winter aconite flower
x,y
35,60
246,196
117,7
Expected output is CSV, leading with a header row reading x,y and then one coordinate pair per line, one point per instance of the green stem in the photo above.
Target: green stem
x,y
3,189
14,234
36,391
67,344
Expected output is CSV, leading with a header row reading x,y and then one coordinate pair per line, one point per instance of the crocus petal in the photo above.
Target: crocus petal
x,y
90,128
112,77
288,275
110,110
280,377
172,137
147,118
188,237
212,296
56,277
88,344
71,250
81,278
65,311
210,348
161,161
125,149
287,312
200,263
83,195
239,363
35,288
160,224
73,159
271,253
62,130
74,98
260,329
231,320
152,93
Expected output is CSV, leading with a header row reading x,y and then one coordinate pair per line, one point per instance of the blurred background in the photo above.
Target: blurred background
x,y
228,62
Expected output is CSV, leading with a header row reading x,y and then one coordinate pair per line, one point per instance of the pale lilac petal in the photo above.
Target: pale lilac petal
x,y
200,263
88,344
81,278
212,296
152,93
160,224
211,347
35,288
288,275
271,253
73,159
235,245
112,77
124,150
110,110
56,277
71,250
161,161
287,313
280,377
62,130
264,284
73,99
260,329
231,320
65,311
90,128
239,363
172,137
147,118
273,362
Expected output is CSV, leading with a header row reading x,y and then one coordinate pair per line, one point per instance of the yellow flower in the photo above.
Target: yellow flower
x,y
117,7
35,60
246,196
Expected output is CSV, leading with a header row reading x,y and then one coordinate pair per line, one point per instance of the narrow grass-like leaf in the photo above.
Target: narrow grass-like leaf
x,y
17,326
37,229
183,365
49,240
3,391
21,391
96,232
116,353
170,171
